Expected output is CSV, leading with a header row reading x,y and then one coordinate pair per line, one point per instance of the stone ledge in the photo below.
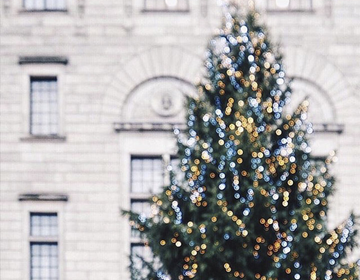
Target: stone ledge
x,y
43,138
43,197
328,127
43,60
43,11
132,126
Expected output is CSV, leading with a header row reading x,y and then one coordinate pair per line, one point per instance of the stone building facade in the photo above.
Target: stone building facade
x,y
90,91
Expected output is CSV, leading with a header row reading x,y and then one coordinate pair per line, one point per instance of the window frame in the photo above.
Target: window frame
x,y
148,143
135,157
141,197
41,112
43,240
42,244
42,70
44,207
135,239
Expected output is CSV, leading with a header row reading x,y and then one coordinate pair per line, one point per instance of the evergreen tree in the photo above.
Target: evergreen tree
x,y
254,202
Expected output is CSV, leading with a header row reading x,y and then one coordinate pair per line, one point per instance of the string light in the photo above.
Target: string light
x,y
250,183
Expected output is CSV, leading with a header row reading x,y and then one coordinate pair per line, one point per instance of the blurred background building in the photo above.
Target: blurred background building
x,y
90,92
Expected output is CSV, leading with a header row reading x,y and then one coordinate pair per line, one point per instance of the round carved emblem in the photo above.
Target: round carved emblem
x,y
167,101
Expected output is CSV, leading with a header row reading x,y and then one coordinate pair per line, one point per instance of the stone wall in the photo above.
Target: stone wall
x,y
112,47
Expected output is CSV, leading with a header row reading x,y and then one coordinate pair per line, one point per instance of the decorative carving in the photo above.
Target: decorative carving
x,y
166,101
157,100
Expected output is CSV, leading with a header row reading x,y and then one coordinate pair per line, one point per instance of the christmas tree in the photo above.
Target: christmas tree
x,y
253,203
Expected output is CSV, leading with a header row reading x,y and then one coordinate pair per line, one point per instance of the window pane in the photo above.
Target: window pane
x,y
140,252
290,5
38,4
175,170
43,224
144,209
44,4
51,4
44,264
146,175
44,106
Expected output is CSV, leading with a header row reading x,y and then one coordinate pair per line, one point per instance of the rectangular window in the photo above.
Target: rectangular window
x,y
44,5
166,5
43,224
44,255
44,106
148,176
289,5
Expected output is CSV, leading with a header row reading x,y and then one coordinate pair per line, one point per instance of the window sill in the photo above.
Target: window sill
x,y
134,126
44,138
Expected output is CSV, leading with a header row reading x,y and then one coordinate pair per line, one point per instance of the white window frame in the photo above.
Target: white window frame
x,y
141,197
43,207
42,70
34,102
139,144
43,240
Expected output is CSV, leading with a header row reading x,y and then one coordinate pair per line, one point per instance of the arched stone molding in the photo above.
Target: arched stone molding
x,y
315,68
159,61
321,108
159,99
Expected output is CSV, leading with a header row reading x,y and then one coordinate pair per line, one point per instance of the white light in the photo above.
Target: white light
x,y
171,3
283,4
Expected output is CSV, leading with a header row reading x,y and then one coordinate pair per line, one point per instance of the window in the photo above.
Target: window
x,y
166,5
44,5
44,246
148,175
43,106
289,5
